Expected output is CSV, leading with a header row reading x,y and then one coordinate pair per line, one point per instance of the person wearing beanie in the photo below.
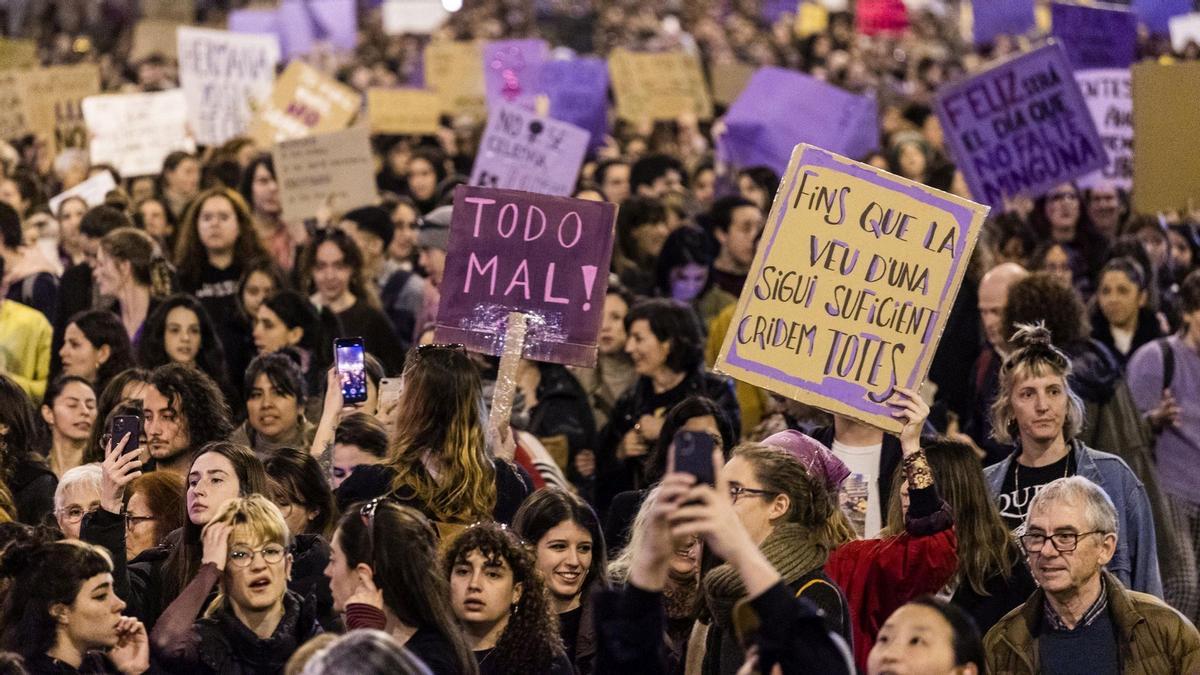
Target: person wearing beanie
x,y
433,239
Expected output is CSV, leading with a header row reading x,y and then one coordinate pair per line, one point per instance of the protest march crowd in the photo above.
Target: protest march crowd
x,y
508,466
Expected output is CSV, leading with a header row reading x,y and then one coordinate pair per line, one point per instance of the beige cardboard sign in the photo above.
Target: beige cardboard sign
x,y
335,168
304,102
403,111
52,99
179,11
1166,157
18,53
658,85
729,79
12,111
154,36
454,70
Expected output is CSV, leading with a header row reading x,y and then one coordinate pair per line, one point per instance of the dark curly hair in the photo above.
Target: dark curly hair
x,y
1039,298
531,641
676,322
152,351
198,398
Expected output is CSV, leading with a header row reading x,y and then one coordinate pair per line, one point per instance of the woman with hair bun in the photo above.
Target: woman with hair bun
x,y
130,268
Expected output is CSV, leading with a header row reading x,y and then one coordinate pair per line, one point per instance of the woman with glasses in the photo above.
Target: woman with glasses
x,y
569,546
255,623
384,574
78,493
153,509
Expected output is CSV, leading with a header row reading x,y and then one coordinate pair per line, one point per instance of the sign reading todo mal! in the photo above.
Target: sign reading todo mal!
x,y
851,287
1020,127
546,257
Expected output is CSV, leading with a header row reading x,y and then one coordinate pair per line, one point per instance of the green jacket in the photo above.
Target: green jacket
x,y
1153,638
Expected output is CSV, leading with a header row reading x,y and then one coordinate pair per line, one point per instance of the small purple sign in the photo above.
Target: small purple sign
x,y
1001,17
1095,37
512,71
522,151
300,24
578,93
1020,127
260,21
1156,14
513,251
780,109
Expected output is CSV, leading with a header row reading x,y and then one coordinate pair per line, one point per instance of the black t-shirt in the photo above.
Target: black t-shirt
x,y
1021,483
568,622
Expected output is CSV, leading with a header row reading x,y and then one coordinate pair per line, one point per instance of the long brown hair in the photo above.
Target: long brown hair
x,y
190,254
352,258
441,416
985,547
146,262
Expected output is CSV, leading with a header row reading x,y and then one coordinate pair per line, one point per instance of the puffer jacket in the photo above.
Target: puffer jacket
x,y
1152,638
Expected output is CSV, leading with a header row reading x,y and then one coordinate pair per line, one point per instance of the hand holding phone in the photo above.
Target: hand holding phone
x,y
691,452
126,424
350,359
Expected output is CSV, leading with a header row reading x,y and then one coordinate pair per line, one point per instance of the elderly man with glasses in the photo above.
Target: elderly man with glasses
x,y
1082,619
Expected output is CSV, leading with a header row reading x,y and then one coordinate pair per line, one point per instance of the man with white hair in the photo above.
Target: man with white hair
x,y
1082,619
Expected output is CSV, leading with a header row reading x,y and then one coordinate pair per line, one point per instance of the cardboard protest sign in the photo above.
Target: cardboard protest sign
x,y
336,167
546,257
179,11
93,191
991,18
1020,127
52,97
1095,37
781,108
1184,29
1109,96
455,71
412,16
304,102
729,80
1156,14
1166,165
851,286
658,85
578,94
403,111
224,77
18,53
523,151
512,71
12,110
154,36
135,132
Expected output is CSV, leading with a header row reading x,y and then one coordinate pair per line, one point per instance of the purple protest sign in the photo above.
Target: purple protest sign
x,y
546,257
299,24
259,21
780,108
512,71
578,93
336,21
851,286
522,151
1156,14
1095,37
297,34
1020,127
1007,17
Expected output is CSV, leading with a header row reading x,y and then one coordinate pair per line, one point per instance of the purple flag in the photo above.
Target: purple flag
x,y
522,151
780,109
262,21
1001,17
296,31
299,24
512,71
578,92
1020,127
516,251
1095,37
1157,13
336,21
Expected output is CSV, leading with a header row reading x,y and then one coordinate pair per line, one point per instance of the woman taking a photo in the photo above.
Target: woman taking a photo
x,y
96,348
384,574
501,601
130,268
69,411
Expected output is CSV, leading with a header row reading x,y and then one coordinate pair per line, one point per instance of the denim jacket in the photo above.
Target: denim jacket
x,y
1135,563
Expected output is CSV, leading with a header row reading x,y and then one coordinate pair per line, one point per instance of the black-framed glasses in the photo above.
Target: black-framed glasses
x,y
132,520
736,491
1063,542
272,554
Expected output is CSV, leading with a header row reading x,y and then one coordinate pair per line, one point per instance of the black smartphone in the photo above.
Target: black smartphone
x,y
126,424
692,452
349,355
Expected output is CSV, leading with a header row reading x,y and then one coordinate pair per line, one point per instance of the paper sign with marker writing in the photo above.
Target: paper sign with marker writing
x,y
1109,96
512,71
546,257
334,168
135,132
304,102
1095,37
224,76
455,71
522,151
851,286
52,98
1166,164
154,36
658,85
403,111
1020,127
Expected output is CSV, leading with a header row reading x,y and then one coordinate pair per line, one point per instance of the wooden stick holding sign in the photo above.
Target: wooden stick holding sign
x,y
506,377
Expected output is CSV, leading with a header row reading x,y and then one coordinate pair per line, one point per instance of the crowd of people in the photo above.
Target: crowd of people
x,y
1037,513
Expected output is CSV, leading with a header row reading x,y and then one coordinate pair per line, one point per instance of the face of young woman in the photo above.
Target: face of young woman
x,y
650,237
1181,252
91,620
1058,263
915,640
271,333
259,585
185,178
217,225
342,578
271,412
73,412
69,216
649,354
1062,210
422,179
612,325
482,592
564,556
1155,243
404,239
181,336
79,356
258,287
331,274
1120,299
265,191
109,274
211,482
154,218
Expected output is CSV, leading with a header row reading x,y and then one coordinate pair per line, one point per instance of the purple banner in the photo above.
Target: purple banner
x,y
1020,127
260,21
513,251
1156,14
300,24
512,71
1001,17
1095,37
780,109
521,151
578,93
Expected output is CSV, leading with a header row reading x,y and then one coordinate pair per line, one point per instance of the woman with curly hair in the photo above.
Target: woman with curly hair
x,y
502,602
180,330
